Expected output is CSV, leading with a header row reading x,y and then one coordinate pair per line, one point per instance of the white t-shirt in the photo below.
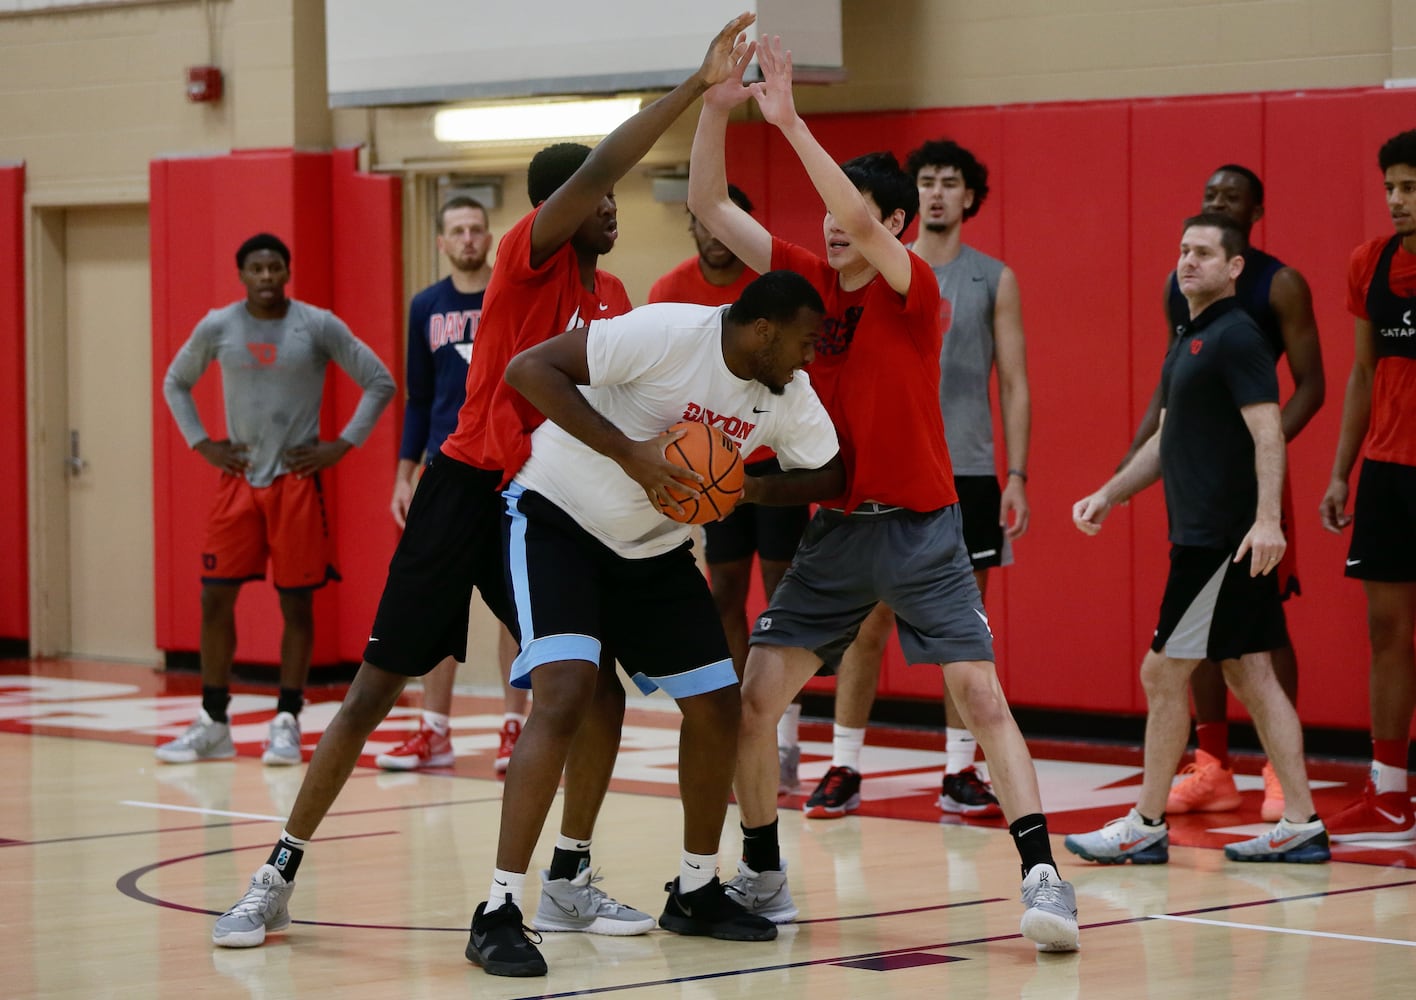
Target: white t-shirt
x,y
650,369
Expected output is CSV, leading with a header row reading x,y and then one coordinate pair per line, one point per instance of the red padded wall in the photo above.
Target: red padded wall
x,y
14,526
201,210
1086,209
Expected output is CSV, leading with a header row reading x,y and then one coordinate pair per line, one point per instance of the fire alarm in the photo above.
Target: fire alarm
x,y
203,84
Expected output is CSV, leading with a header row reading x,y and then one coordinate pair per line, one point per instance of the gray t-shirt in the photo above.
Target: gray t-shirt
x,y
272,379
968,289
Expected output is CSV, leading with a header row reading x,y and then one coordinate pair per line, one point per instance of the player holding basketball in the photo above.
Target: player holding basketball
x,y
894,533
594,565
442,330
273,352
981,312
1276,297
545,280
1219,450
1380,409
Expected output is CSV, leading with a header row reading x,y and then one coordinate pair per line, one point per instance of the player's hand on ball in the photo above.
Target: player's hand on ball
x,y
656,475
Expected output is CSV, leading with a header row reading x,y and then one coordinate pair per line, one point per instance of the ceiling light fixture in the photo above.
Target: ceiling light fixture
x,y
540,120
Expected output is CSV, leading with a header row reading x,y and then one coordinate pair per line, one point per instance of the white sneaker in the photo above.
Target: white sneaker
x,y
1122,840
203,740
575,904
262,910
763,893
1050,920
283,743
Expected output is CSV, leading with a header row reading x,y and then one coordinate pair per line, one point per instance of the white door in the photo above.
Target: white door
x,y
107,310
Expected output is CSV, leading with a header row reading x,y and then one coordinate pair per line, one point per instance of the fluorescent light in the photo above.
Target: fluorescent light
x,y
542,120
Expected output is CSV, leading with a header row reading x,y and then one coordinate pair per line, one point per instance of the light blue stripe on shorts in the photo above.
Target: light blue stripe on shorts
x,y
699,680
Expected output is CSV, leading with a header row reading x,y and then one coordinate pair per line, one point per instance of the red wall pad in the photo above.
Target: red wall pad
x,y
14,525
201,210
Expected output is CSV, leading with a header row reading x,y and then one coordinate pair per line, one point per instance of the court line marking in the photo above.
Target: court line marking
x,y
1285,930
200,811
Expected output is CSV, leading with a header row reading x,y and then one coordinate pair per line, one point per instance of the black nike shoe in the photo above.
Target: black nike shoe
x,y
501,945
709,912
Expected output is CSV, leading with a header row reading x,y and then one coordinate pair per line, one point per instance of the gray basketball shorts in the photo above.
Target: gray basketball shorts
x,y
915,562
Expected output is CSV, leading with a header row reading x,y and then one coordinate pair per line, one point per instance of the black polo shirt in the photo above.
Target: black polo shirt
x,y
1219,363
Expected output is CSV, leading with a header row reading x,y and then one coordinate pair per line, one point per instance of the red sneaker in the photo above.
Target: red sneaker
x,y
425,748
1272,809
1375,817
510,732
1206,787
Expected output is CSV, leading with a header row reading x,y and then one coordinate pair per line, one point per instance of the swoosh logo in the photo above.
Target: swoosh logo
x,y
1398,820
569,911
1353,562
756,410
1127,845
1286,840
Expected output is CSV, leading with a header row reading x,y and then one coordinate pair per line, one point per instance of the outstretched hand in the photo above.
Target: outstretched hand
x,y
728,49
729,92
774,93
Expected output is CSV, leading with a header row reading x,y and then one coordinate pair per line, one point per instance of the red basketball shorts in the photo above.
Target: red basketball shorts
x,y
283,523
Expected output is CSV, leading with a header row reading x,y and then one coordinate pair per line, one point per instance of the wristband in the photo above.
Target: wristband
x,y
1019,473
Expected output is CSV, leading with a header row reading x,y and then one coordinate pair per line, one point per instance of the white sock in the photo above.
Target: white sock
x,y
437,722
696,871
505,884
520,720
1387,778
960,748
290,838
846,744
789,727
571,844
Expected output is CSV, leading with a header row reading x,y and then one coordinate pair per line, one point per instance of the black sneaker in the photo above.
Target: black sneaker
x,y
838,794
708,912
968,794
501,945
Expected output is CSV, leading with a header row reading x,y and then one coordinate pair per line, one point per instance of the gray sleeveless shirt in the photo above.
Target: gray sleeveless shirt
x,y
968,287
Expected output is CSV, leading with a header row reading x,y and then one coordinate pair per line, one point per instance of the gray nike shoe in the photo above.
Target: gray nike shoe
x,y
763,893
203,740
575,904
283,743
262,910
1050,920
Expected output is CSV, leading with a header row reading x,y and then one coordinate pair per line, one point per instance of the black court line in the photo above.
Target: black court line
x,y
928,948
243,822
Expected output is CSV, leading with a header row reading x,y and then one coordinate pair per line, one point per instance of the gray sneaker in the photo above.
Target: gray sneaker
x,y
763,893
203,740
1050,920
1303,843
283,743
575,904
262,910
788,770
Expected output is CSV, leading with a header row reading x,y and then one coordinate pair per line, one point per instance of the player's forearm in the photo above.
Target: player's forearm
x,y
841,197
406,468
707,170
1304,404
1016,405
560,400
1140,472
1150,421
799,486
1269,458
1356,416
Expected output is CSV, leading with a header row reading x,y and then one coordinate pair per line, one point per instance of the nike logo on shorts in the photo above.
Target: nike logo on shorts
x,y
1353,562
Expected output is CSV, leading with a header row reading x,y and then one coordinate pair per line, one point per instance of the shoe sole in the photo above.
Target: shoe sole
x,y
1389,837
414,763
275,760
688,927
1146,857
1049,931
248,939
831,812
951,805
191,757
600,925
1298,857
524,970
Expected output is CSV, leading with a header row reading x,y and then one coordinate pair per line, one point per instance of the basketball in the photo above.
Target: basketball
x,y
712,454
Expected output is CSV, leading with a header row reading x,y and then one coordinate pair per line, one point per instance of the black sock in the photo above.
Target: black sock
x,y
1150,822
1030,838
568,864
214,702
290,700
760,848
286,858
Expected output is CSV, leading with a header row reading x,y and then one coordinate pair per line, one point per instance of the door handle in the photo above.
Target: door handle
x,y
74,462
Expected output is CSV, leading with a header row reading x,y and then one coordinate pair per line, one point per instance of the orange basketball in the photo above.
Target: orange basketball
x,y
713,455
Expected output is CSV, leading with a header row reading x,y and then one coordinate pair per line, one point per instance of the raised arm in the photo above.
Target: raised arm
x,y
1356,416
847,206
564,211
1293,303
708,179
1014,400
1265,538
549,375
